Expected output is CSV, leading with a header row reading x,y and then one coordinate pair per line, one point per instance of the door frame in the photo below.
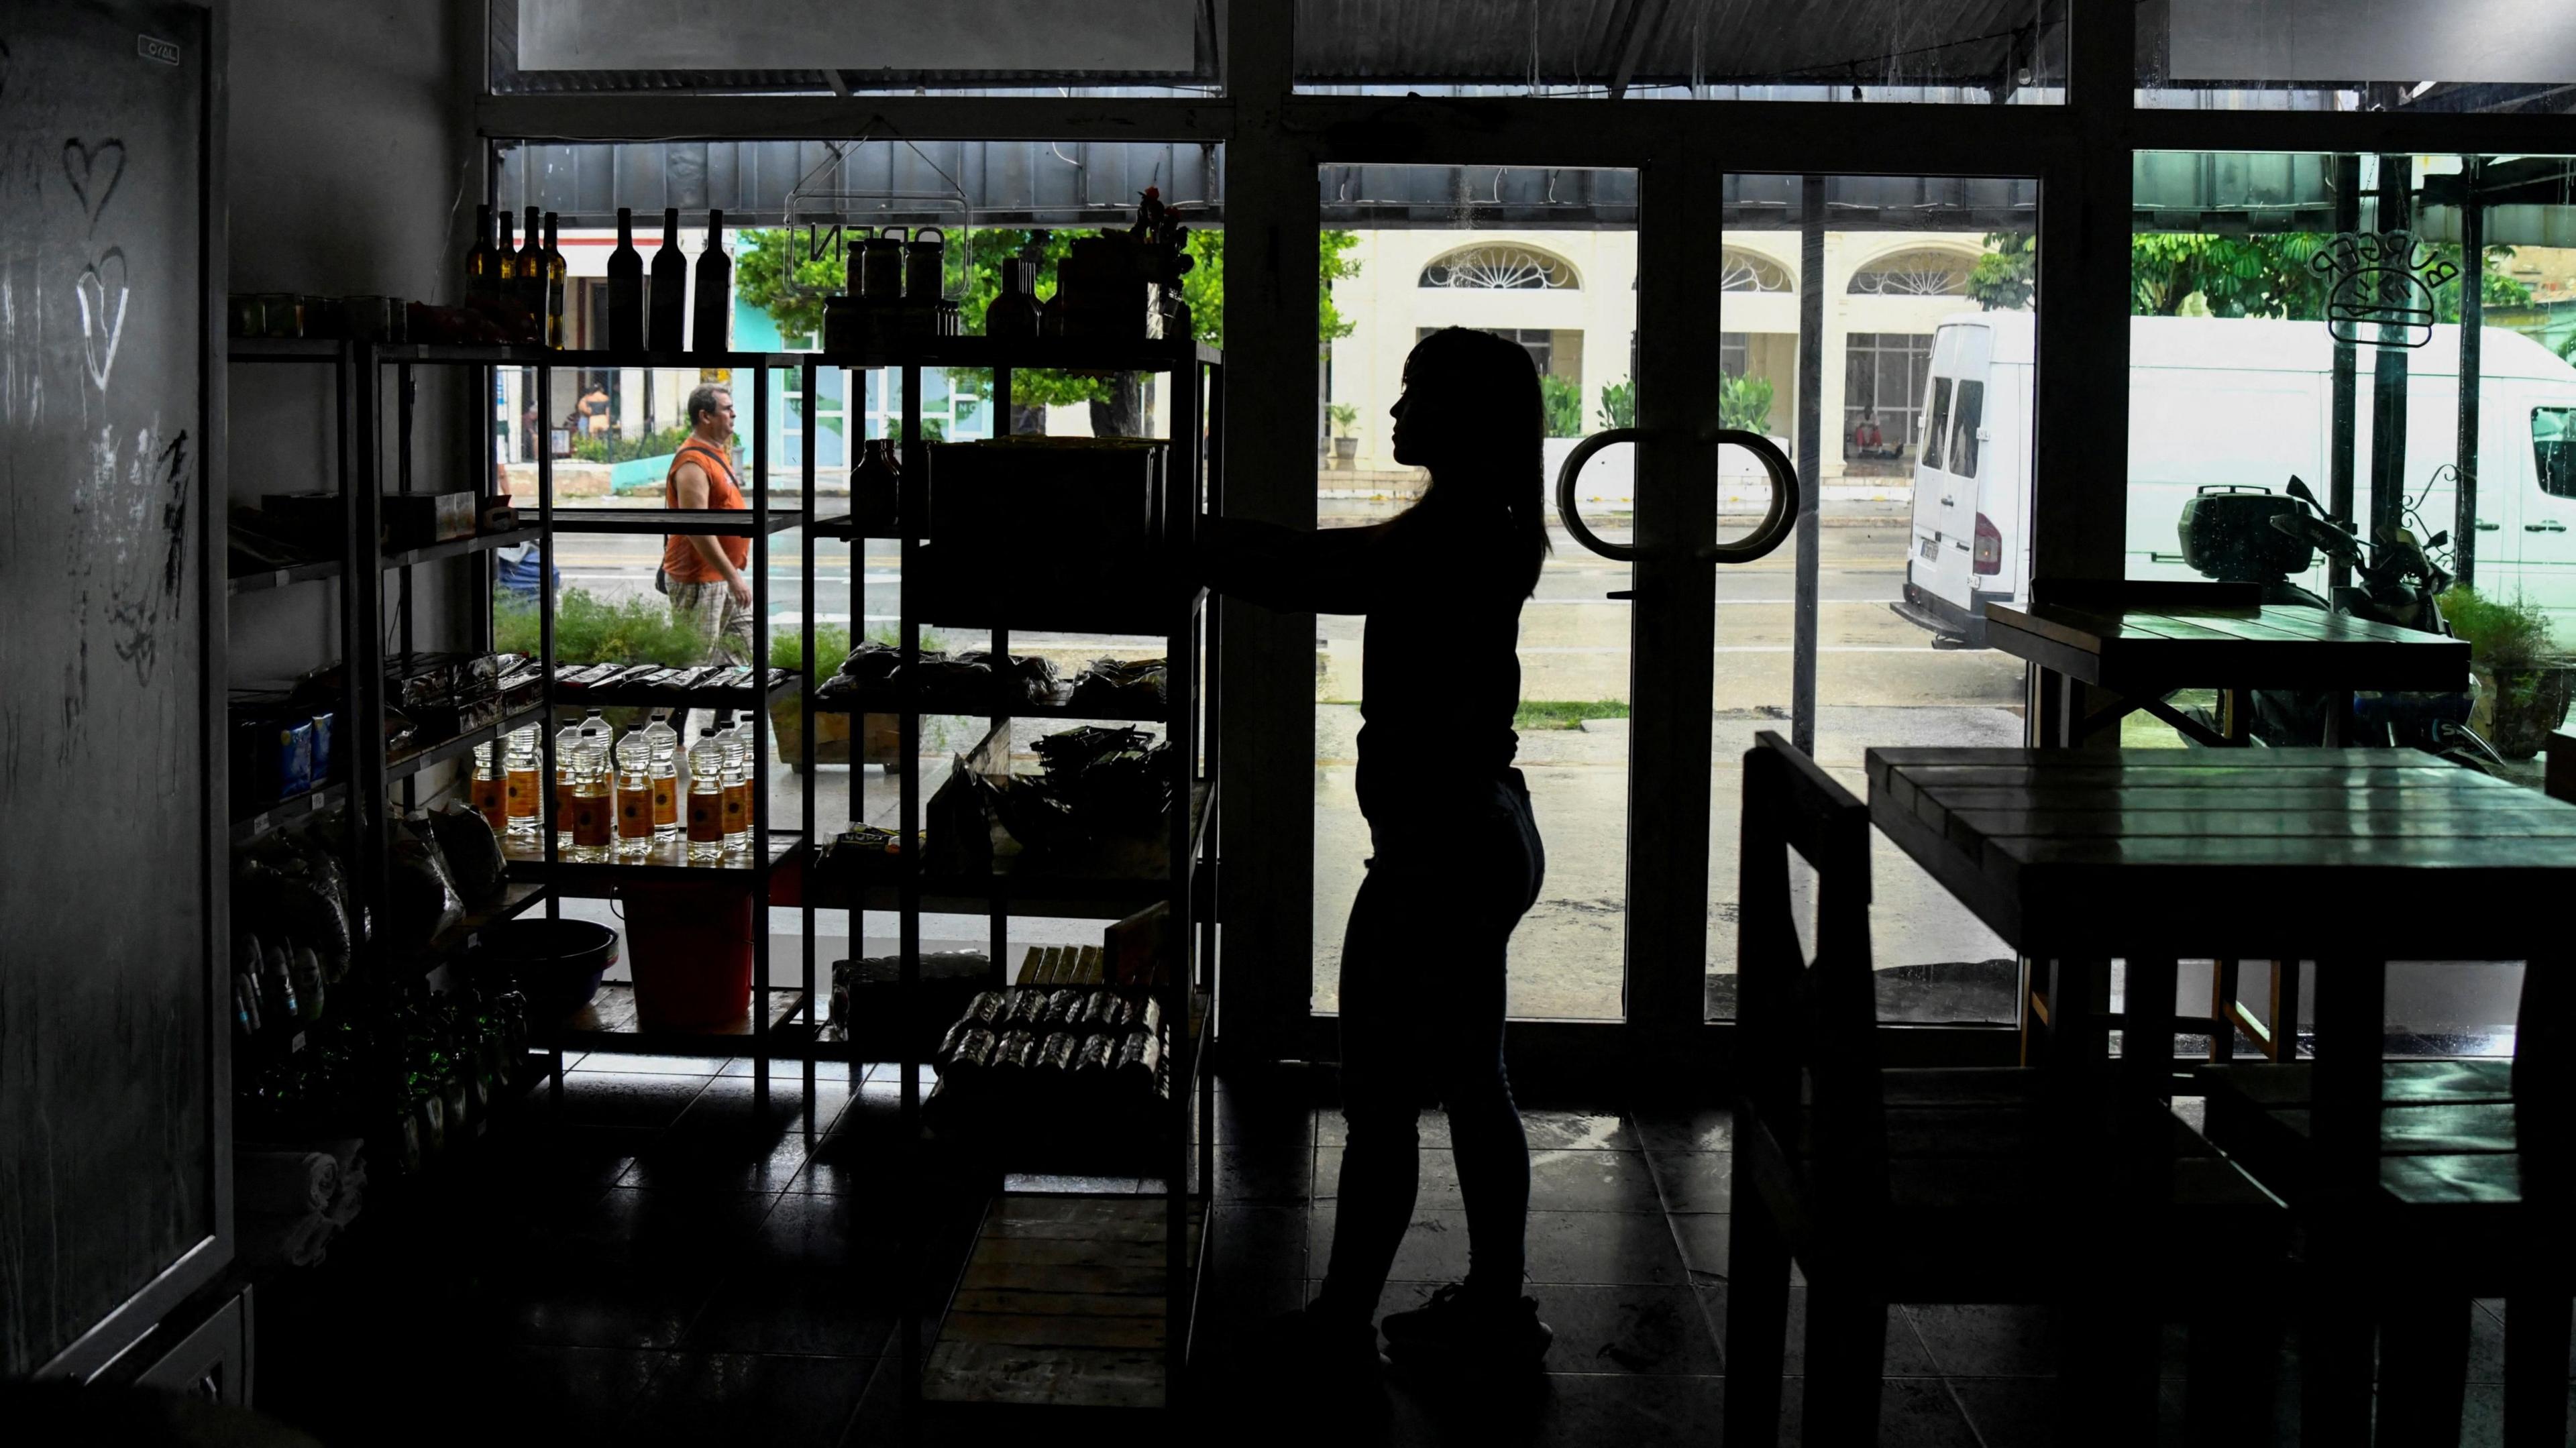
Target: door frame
x,y
2079,151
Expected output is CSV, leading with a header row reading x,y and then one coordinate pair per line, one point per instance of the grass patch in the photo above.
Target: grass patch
x,y
1565,713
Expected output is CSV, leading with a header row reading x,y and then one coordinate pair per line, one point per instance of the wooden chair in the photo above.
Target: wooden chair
x,y
2451,1181
1989,1186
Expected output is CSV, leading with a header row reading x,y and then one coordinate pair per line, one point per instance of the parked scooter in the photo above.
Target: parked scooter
x,y
2252,535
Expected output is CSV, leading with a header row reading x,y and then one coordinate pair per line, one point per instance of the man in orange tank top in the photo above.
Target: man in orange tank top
x,y
709,592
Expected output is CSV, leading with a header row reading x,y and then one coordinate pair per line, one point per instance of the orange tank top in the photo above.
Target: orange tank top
x,y
680,558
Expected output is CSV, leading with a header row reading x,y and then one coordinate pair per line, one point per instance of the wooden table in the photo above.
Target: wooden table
x,y
2141,641
2348,857
2077,856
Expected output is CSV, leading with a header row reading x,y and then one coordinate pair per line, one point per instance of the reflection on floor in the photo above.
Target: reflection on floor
x,y
666,1264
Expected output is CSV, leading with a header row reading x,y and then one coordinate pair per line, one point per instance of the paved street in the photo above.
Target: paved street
x,y
1879,682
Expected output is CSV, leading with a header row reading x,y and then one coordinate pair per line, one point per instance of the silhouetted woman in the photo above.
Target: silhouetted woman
x,y
1457,852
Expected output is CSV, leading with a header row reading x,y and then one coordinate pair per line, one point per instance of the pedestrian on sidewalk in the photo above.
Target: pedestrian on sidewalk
x,y
1457,855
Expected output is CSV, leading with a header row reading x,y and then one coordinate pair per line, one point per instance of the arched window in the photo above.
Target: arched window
x,y
1742,271
1500,267
1924,272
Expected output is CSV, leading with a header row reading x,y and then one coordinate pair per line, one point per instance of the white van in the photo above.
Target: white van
x,y
2243,401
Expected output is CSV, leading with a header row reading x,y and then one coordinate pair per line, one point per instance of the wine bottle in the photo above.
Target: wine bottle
x,y
669,298
532,276
482,266
505,271
625,289
711,320
556,272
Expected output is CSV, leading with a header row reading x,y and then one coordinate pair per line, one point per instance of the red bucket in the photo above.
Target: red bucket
x,y
690,948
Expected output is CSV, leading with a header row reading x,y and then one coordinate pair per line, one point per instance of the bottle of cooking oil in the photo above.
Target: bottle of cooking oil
x,y
634,769
489,790
593,809
662,742
567,744
519,789
737,792
706,798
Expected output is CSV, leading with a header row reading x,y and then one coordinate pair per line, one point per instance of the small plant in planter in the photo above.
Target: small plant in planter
x,y
1346,443
2524,681
787,716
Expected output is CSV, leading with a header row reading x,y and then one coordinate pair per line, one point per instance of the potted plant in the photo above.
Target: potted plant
x,y
787,716
2524,682
1346,443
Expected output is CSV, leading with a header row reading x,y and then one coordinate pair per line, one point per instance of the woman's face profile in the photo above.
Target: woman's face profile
x,y
1417,426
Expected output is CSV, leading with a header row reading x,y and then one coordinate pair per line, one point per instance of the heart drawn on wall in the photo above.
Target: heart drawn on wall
x,y
93,173
102,307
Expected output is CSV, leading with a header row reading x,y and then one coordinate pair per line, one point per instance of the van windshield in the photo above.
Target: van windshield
x,y
2553,449
1937,427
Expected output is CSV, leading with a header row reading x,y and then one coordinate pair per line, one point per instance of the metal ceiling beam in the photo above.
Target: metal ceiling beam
x,y
1629,30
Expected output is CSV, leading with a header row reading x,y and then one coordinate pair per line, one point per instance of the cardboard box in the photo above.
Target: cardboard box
x,y
416,520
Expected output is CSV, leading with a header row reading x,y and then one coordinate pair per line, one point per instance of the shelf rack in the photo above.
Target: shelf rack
x,y
368,770
1186,625
619,1030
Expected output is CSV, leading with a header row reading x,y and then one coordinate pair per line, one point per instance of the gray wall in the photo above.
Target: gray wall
x,y
353,172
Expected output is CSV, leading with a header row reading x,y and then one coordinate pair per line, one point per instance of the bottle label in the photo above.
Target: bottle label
x,y
589,821
706,817
634,815
488,802
521,794
563,804
665,804
737,812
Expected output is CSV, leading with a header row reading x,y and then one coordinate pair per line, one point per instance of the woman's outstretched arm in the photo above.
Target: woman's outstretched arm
x,y
1328,570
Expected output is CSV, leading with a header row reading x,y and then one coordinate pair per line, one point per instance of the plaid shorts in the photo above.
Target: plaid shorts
x,y
708,610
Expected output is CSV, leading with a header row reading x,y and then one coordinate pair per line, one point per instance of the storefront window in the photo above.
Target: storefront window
x,y
2309,319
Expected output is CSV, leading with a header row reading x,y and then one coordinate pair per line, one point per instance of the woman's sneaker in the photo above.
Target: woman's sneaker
x,y
1459,1328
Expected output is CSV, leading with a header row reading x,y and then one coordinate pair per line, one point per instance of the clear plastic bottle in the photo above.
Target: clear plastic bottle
x,y
593,808
634,768
663,742
737,788
567,744
489,790
706,798
520,764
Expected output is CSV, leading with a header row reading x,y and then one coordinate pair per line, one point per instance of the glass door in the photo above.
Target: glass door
x,y
1548,259
1877,330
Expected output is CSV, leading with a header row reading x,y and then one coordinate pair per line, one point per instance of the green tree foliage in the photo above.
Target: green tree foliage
x,y
1618,404
1745,402
2191,274
1564,404
2003,278
772,272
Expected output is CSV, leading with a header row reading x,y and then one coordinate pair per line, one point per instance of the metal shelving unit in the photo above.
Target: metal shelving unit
x,y
372,771
958,597
536,874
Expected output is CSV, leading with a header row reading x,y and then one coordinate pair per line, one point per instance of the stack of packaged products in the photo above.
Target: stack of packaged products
x,y
1066,1035
972,682
415,1073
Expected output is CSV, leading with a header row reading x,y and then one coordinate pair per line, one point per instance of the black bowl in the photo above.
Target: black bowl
x,y
558,963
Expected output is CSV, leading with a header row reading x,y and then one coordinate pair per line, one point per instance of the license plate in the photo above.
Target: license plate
x,y
1931,550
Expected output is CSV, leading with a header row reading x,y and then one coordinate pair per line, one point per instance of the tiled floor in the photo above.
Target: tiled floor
x,y
664,1264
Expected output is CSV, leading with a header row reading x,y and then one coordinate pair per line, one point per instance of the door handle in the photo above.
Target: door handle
x,y
2486,527
1782,516
2552,526
1773,530
1949,502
